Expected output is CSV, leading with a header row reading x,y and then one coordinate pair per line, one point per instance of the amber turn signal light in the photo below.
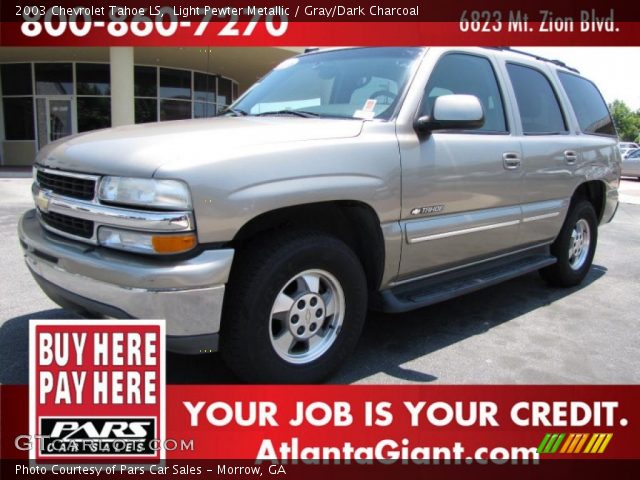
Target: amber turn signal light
x,y
173,243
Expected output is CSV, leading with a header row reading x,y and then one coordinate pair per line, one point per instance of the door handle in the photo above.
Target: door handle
x,y
511,160
571,157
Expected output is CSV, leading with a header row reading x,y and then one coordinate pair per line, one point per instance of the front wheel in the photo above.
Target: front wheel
x,y
307,316
574,248
295,309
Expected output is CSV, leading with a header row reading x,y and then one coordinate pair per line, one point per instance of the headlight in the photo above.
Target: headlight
x,y
150,243
145,192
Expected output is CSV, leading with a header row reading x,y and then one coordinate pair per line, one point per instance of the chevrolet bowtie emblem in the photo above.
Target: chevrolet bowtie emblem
x,y
42,201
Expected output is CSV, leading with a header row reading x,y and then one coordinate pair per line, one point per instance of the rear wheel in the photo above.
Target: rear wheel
x,y
295,308
574,248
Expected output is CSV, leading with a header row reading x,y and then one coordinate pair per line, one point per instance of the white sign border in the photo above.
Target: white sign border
x,y
34,323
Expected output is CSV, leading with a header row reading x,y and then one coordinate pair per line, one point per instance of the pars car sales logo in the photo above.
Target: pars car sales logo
x,y
97,389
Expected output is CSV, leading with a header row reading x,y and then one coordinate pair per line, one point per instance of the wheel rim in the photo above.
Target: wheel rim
x,y
306,316
579,244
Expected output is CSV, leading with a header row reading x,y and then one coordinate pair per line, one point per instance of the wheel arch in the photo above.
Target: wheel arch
x,y
595,192
354,222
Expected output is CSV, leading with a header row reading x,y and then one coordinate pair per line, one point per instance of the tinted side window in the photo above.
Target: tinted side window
x,y
458,73
593,114
539,108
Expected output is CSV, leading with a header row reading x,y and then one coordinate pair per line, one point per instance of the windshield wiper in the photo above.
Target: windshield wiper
x,y
236,111
297,113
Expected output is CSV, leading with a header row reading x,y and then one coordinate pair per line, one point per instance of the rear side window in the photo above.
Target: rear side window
x,y
593,114
538,104
458,73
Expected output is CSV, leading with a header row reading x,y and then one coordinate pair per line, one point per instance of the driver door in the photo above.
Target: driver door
x,y
461,190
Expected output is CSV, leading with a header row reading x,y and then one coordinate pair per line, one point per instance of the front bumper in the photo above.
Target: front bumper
x,y
187,293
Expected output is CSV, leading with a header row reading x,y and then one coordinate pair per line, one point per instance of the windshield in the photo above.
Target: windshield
x,y
352,83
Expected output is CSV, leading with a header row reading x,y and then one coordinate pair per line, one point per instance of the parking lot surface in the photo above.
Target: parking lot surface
x,y
520,331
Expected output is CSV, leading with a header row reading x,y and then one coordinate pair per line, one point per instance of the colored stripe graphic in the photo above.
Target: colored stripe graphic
x,y
570,440
603,447
573,443
581,443
550,443
543,443
592,440
556,445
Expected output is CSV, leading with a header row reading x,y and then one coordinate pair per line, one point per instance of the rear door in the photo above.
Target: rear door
x,y
549,152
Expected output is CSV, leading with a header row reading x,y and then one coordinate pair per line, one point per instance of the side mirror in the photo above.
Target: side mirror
x,y
452,112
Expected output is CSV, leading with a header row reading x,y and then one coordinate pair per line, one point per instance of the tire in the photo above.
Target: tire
x,y
295,308
574,248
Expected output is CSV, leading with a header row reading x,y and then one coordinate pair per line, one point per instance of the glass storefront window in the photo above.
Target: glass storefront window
x,y
18,118
204,110
16,79
93,79
145,81
160,94
204,87
224,91
146,110
174,110
93,113
175,84
54,79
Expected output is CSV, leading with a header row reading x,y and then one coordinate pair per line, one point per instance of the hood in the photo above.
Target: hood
x,y
139,150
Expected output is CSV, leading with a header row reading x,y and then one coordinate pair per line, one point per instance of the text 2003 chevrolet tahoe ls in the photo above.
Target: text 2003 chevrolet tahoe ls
x,y
389,178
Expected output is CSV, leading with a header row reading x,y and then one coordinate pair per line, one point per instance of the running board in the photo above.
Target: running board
x,y
420,294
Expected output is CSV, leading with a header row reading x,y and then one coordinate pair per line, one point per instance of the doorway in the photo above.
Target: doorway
x,y
54,119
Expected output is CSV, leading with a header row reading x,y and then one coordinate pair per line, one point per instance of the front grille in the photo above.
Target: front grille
x,y
75,187
71,225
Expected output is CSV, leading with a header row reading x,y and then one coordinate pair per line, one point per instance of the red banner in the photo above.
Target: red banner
x,y
285,23
331,34
408,425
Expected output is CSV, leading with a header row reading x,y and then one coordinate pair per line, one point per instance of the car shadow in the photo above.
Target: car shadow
x,y
14,344
387,343
390,341
14,355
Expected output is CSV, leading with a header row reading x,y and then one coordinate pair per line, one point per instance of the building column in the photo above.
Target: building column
x,y
122,104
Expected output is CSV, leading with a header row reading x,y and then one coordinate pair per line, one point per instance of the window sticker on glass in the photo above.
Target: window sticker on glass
x,y
369,105
367,111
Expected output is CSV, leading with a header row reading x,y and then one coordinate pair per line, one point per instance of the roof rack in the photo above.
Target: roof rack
x,y
537,57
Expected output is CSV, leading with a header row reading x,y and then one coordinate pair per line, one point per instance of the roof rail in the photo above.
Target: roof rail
x,y
537,57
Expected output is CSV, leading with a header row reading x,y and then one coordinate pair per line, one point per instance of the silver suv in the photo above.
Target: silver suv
x,y
348,179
